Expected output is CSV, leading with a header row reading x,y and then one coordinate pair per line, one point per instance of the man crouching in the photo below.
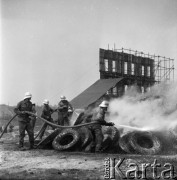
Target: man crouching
x,y
96,129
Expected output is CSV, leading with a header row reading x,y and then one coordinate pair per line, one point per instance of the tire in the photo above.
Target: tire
x,y
145,143
85,136
66,140
124,143
107,142
79,119
116,149
167,141
46,143
112,132
173,133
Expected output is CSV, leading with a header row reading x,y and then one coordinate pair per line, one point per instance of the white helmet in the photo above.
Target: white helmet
x,y
104,104
70,110
62,97
27,95
46,101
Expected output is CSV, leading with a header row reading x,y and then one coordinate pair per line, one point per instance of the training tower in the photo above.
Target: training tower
x,y
122,68
136,68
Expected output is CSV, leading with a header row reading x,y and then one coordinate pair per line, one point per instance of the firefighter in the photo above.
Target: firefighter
x,y
65,110
24,120
46,114
99,116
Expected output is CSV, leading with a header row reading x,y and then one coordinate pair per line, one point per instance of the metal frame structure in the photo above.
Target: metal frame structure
x,y
121,69
163,66
135,67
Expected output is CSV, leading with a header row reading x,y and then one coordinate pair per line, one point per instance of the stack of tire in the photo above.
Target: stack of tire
x,y
79,139
67,139
76,139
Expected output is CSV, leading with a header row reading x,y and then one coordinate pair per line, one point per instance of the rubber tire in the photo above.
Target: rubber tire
x,y
63,136
113,132
125,145
173,137
85,136
79,119
107,142
46,143
116,149
156,144
167,141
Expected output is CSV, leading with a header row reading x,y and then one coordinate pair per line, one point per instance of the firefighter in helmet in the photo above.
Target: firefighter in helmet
x,y
65,110
96,129
24,120
46,114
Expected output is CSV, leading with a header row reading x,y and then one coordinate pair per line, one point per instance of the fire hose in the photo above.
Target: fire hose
x,y
7,125
49,123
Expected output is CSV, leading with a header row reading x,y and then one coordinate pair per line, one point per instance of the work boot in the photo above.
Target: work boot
x,y
31,147
21,148
20,145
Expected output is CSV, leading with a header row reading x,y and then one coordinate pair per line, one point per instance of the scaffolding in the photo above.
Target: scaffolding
x,y
136,68
163,66
129,69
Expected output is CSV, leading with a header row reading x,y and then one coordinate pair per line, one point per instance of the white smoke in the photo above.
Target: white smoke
x,y
154,110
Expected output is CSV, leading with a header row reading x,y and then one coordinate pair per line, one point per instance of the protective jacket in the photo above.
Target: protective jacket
x,y
46,112
97,115
23,106
64,105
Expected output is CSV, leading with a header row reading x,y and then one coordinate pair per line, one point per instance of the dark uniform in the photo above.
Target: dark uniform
x,y
99,116
33,118
63,114
24,122
46,114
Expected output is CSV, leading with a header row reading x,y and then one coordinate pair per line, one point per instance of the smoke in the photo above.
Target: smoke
x,y
153,110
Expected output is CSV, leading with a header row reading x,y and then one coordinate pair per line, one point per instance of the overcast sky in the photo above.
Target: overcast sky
x,y
51,47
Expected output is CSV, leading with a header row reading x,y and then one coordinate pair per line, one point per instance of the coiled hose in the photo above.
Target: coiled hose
x,y
49,123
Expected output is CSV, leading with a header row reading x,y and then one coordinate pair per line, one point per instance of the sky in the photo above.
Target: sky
x,y
51,48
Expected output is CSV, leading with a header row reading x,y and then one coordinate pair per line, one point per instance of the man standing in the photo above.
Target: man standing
x,y
98,116
64,111
46,114
24,120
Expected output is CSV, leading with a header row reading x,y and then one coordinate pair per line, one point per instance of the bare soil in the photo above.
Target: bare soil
x,y
50,164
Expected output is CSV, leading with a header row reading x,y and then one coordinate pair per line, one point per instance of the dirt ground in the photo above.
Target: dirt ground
x,y
50,164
